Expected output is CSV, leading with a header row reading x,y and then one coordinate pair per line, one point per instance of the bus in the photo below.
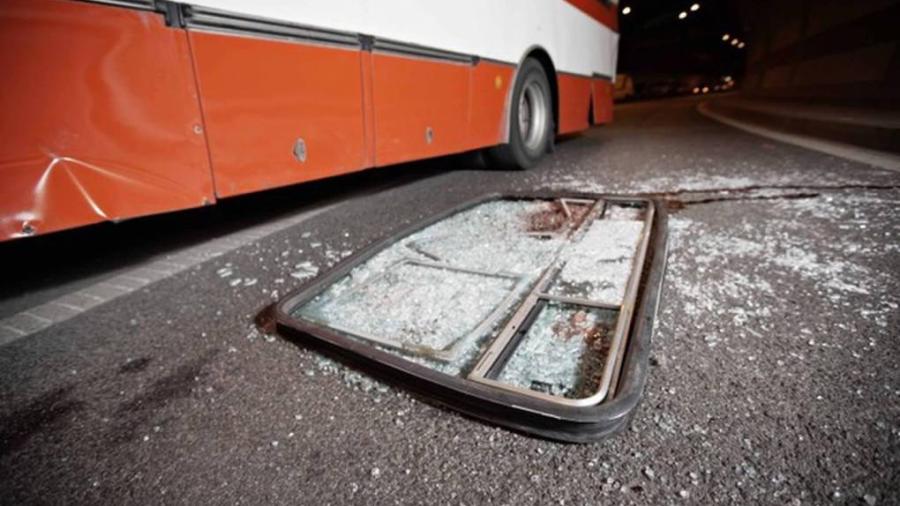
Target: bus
x,y
114,109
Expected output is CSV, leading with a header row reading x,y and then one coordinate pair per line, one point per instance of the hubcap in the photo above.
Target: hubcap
x,y
532,116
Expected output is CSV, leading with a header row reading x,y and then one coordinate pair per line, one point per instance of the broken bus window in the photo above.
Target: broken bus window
x,y
534,312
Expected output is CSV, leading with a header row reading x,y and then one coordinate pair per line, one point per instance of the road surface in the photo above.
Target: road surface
x,y
131,372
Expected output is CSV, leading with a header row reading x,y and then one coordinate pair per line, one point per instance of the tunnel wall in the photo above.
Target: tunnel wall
x,y
832,51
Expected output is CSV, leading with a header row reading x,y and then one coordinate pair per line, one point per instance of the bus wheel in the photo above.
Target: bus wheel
x,y
530,120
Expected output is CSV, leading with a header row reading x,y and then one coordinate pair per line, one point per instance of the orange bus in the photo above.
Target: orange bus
x,y
121,108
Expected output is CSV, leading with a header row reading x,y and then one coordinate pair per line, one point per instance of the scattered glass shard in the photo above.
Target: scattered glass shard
x,y
304,270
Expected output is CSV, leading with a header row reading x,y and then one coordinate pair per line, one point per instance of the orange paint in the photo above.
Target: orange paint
x,y
411,95
365,71
103,116
574,102
260,96
602,91
490,90
99,111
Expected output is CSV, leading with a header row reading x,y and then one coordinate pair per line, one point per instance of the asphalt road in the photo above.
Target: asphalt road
x,y
774,375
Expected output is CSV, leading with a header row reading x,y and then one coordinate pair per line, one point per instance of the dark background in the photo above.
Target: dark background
x,y
833,51
666,55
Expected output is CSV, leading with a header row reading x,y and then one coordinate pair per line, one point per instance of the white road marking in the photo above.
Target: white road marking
x,y
844,115
872,157
25,323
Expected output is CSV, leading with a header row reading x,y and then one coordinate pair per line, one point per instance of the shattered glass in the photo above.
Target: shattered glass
x,y
445,296
562,352
598,266
380,308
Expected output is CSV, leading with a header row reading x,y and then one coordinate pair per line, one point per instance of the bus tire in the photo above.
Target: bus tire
x,y
530,120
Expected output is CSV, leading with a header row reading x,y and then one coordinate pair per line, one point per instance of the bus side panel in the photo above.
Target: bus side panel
x,y
574,102
261,96
99,116
414,96
602,90
490,90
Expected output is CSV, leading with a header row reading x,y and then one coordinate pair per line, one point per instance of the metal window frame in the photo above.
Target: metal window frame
x,y
514,410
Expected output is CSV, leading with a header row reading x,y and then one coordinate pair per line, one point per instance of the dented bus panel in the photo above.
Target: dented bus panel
x,y
101,117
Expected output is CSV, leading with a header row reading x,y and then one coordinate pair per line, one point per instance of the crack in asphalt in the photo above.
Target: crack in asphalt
x,y
748,193
676,205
